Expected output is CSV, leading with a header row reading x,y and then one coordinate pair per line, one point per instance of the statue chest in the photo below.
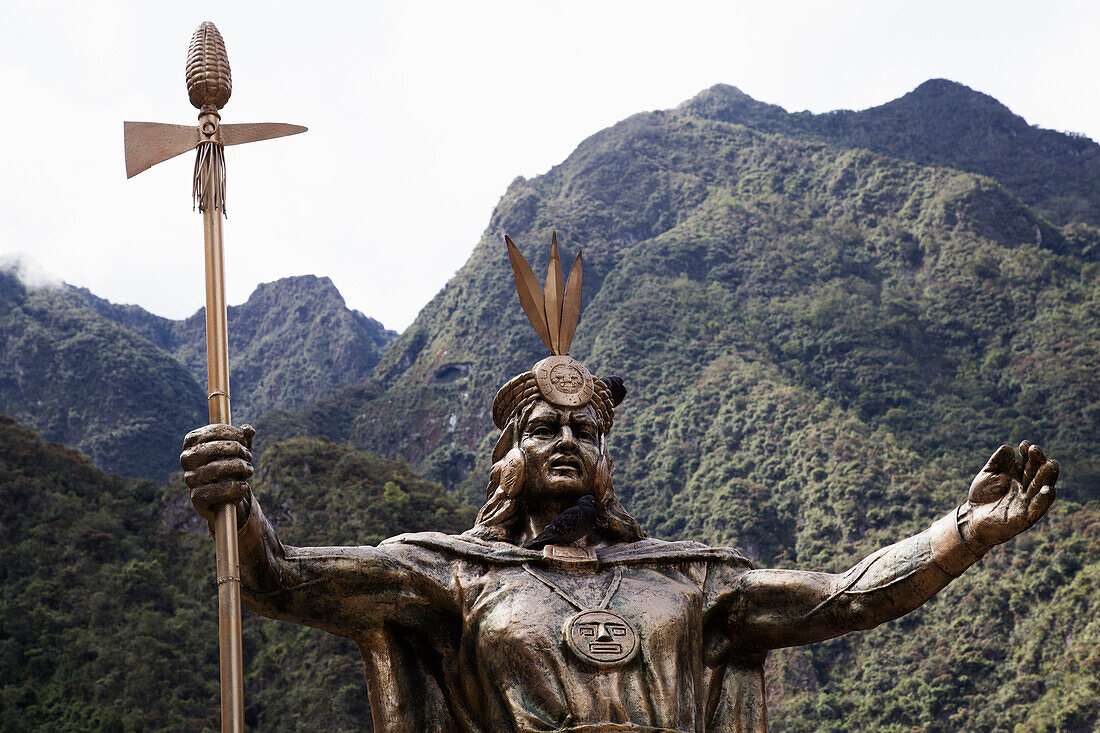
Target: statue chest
x,y
617,646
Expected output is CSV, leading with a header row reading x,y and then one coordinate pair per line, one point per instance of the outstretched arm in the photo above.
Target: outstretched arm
x,y
343,590
766,609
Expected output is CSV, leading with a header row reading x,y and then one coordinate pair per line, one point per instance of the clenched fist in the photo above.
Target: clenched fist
x,y
217,463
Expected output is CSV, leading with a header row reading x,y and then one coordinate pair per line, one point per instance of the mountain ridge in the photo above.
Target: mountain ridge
x,y
85,381
126,385
406,366
942,122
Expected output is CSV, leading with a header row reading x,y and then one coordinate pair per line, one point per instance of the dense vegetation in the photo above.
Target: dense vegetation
x,y
108,615
89,383
943,123
823,337
123,385
292,342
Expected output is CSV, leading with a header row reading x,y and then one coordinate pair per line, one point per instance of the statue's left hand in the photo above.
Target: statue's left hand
x,y
1010,494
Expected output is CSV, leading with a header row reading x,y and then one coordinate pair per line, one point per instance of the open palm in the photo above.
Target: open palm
x,y
1009,495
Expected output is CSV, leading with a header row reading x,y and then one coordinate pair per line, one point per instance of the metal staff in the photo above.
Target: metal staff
x,y
209,85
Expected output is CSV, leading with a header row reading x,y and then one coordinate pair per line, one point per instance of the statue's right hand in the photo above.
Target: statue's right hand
x,y
217,462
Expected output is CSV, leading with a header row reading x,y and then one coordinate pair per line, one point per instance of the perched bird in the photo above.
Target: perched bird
x,y
569,526
617,387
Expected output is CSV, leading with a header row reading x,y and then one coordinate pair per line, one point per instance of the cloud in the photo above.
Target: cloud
x,y
29,271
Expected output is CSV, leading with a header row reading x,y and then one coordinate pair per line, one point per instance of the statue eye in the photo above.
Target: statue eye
x,y
541,431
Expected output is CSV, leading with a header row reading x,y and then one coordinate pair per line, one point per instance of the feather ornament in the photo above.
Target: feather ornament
x,y
555,308
553,294
571,307
530,294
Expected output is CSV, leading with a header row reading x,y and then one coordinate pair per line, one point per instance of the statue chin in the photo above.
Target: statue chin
x,y
557,488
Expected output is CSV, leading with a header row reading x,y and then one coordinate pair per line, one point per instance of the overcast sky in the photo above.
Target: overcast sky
x,y
421,114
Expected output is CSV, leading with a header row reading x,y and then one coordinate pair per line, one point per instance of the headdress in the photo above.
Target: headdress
x,y
554,310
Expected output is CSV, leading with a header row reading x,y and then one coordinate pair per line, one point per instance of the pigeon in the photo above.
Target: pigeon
x,y
569,526
617,388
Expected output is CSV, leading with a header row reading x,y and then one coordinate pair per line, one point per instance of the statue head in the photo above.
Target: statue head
x,y
550,453
554,420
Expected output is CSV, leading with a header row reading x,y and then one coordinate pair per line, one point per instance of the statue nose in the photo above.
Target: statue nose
x,y
566,437
602,633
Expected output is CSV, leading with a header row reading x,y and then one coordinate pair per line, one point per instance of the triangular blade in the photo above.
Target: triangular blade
x,y
552,295
149,143
251,132
530,294
571,306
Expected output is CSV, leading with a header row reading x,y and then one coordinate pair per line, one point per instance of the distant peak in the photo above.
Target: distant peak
x,y
302,280
299,283
727,103
726,93
954,93
727,90
942,86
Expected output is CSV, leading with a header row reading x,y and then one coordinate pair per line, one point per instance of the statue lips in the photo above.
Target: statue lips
x,y
567,465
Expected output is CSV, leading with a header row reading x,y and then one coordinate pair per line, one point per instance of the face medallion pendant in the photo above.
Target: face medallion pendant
x,y
601,638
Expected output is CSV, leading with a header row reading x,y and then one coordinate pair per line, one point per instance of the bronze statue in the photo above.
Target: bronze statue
x,y
616,632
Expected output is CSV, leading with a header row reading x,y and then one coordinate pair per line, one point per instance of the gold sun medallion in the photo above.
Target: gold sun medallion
x,y
563,381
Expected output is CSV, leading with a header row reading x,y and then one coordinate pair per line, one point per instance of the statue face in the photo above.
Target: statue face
x,y
562,447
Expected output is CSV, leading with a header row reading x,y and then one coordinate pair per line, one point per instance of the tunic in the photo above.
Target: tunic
x,y
457,636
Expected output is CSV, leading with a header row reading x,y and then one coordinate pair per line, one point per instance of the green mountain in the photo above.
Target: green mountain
x,y
108,618
898,290
92,384
291,343
822,344
947,124
123,385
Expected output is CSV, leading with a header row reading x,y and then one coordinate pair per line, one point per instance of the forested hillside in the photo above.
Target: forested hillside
x,y
123,385
108,617
92,384
943,123
292,342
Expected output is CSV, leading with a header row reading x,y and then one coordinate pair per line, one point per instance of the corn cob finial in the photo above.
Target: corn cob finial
x,y
209,82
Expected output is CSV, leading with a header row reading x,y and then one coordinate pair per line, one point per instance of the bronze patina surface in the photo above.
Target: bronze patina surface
x,y
209,85
619,633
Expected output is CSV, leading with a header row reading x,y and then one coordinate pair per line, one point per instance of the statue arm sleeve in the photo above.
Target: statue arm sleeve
x,y
767,609
343,590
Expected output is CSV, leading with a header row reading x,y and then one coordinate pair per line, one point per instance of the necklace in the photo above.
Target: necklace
x,y
598,636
